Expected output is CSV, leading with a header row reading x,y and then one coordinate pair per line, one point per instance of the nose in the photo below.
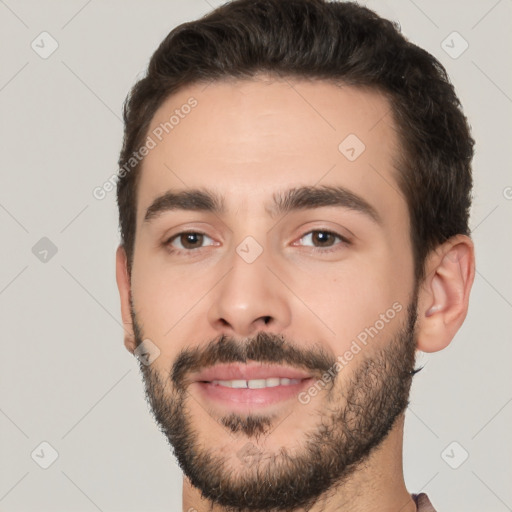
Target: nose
x,y
249,298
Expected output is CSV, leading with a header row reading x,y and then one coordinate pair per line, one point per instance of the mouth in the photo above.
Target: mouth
x,y
272,382
242,387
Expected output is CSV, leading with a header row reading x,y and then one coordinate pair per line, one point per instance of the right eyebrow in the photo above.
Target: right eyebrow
x,y
192,200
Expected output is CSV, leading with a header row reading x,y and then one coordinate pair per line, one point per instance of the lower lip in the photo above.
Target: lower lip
x,y
243,398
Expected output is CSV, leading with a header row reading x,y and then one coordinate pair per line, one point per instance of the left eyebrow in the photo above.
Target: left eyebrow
x,y
309,197
283,202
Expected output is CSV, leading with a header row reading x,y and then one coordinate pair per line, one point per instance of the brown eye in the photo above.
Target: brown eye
x,y
191,240
324,241
323,238
187,241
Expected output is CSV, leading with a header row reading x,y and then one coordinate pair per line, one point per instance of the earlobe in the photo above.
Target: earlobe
x,y
444,295
123,285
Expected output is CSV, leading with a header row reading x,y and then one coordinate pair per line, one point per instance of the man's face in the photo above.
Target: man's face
x,y
259,292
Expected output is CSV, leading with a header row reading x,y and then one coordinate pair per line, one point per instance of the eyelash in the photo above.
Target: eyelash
x,y
191,252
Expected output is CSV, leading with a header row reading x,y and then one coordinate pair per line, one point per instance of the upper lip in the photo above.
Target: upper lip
x,y
247,372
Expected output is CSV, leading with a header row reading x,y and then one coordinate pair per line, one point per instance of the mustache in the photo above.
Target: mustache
x,y
263,348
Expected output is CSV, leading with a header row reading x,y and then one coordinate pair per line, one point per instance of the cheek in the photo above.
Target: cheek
x,y
165,291
348,301
168,301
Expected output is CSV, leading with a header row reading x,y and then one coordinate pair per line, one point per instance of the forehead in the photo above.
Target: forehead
x,y
248,138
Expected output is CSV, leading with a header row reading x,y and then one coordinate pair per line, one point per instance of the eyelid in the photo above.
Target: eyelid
x,y
193,227
319,225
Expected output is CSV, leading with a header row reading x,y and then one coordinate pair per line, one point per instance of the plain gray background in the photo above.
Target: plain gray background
x,y
65,376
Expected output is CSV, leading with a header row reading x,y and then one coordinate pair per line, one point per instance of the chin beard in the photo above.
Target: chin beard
x,y
357,416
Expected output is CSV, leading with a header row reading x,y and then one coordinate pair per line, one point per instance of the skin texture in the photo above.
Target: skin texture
x,y
246,140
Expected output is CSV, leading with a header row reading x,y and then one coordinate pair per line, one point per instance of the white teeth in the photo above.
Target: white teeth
x,y
256,383
238,383
274,381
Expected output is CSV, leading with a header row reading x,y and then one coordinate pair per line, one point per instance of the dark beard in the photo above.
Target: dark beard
x,y
348,431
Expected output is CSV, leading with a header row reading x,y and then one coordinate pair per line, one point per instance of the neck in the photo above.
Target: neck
x,y
376,486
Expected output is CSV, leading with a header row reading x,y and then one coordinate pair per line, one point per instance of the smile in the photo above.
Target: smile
x,y
256,383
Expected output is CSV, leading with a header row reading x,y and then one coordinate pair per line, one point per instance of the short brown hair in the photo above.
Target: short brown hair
x,y
341,42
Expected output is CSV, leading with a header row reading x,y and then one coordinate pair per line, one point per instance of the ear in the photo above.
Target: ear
x,y
123,285
444,293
